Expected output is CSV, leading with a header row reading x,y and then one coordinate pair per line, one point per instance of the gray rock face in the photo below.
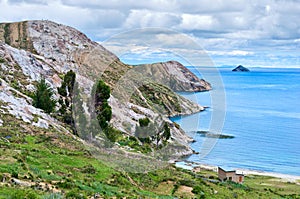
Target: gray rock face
x,y
176,76
241,68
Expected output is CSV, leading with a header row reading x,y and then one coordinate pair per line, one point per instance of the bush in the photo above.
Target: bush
x,y
42,98
144,122
88,169
112,134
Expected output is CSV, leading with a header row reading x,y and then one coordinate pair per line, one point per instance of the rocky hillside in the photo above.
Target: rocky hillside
x,y
32,50
176,76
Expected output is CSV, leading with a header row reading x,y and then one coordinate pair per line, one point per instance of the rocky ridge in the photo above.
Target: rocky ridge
x,y
34,49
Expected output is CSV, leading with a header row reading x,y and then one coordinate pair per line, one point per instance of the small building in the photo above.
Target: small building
x,y
230,176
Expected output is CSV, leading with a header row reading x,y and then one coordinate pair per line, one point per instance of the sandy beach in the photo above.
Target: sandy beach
x,y
247,172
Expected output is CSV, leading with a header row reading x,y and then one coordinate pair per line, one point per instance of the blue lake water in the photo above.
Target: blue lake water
x,y
262,112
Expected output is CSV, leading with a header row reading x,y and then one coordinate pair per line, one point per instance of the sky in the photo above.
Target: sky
x,y
254,33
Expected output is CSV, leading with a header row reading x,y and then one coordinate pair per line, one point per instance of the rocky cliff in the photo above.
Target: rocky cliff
x,y
34,49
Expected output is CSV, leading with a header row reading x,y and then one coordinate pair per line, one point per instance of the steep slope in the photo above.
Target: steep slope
x,y
36,49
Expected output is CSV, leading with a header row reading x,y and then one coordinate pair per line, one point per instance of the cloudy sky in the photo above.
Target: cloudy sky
x,y
232,32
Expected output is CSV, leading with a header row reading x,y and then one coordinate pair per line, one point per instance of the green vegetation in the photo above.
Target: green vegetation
x,y
7,33
42,97
65,100
78,112
158,97
67,86
56,165
71,110
167,133
101,94
2,60
148,132
144,122
103,110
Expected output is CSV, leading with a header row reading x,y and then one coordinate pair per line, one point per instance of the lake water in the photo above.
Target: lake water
x,y
262,112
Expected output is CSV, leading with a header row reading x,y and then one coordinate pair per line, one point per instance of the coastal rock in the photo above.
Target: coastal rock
x,y
241,68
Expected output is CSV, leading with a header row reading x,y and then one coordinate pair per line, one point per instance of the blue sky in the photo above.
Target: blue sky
x,y
231,32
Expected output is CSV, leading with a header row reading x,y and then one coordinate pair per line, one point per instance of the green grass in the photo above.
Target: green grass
x,y
57,159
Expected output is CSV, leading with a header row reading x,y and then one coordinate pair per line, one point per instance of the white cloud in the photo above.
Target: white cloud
x,y
147,18
233,27
198,22
232,53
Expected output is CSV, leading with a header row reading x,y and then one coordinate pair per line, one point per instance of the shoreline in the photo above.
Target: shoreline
x,y
247,172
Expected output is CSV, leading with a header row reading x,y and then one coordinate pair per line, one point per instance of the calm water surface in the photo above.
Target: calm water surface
x,y
262,112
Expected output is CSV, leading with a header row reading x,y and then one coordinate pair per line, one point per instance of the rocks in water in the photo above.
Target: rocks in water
x,y
241,68
214,135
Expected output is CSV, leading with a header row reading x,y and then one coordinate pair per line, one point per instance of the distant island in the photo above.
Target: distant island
x,y
241,68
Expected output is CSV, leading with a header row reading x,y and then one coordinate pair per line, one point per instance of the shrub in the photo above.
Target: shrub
x,y
2,60
88,169
144,122
112,134
42,98
167,133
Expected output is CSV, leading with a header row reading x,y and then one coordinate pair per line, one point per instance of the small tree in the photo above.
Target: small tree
x,y
103,110
66,96
144,121
42,98
167,133
67,85
78,112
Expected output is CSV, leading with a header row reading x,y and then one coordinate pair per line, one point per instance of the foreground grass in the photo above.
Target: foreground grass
x,y
39,163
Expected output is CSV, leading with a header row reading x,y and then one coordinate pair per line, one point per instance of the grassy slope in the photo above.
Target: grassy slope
x,y
50,161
